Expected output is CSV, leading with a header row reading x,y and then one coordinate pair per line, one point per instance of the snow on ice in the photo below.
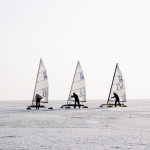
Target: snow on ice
x,y
93,128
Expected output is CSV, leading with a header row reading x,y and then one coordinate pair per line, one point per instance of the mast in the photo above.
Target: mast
x,y
112,82
36,80
72,81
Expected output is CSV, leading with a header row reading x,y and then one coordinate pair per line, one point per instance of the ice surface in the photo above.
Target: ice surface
x,y
93,128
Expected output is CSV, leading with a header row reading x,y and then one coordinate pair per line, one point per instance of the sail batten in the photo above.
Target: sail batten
x,y
41,86
78,85
118,86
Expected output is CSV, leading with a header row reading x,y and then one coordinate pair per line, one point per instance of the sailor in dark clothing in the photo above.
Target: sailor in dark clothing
x,y
76,99
117,99
38,98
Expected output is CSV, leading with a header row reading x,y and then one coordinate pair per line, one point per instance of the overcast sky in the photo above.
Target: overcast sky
x,y
98,33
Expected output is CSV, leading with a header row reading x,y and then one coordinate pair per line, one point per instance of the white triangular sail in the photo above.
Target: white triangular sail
x,y
41,86
78,85
118,86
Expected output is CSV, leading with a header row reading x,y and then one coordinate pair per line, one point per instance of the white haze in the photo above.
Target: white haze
x,y
97,33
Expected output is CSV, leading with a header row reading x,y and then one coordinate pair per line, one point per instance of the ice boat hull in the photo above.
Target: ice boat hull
x,y
73,105
112,105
